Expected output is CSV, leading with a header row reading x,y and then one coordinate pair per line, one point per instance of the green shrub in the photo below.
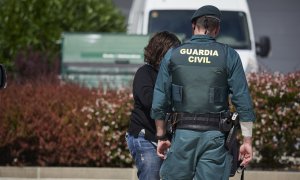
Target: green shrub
x,y
37,25
277,129
46,123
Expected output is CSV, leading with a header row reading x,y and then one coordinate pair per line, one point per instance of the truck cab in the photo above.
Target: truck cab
x,y
150,16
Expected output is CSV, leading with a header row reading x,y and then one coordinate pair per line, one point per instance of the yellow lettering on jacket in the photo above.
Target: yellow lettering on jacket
x,y
199,55
199,52
197,59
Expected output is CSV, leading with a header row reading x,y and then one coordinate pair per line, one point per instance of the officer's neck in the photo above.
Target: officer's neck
x,y
200,31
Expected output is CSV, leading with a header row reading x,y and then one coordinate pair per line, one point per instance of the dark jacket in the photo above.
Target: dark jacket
x,y
143,85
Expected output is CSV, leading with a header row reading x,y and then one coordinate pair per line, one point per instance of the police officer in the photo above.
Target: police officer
x,y
195,81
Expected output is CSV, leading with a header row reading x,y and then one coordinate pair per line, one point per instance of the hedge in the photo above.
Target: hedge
x,y
50,123
277,129
46,123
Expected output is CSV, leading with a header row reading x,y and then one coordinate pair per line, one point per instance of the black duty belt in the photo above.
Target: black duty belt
x,y
200,122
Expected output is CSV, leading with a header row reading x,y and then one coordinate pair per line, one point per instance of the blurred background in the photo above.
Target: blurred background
x,y
274,18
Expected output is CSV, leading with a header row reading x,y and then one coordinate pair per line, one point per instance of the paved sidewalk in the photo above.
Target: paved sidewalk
x,y
83,173
66,173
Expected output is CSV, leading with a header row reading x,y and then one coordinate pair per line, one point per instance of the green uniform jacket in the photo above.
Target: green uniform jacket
x,y
236,79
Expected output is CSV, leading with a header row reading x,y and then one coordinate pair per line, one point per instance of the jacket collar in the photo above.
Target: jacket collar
x,y
202,38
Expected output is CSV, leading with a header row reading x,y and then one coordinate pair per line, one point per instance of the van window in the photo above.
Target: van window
x,y
234,26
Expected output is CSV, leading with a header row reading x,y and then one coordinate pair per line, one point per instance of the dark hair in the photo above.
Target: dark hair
x,y
208,23
158,45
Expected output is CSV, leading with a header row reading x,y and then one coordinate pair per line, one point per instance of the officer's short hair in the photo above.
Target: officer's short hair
x,y
208,23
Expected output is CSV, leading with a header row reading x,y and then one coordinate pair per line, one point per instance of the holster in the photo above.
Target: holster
x,y
170,124
231,137
232,144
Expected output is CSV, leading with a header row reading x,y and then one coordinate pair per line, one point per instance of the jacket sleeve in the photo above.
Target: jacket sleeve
x,y
161,96
238,87
143,87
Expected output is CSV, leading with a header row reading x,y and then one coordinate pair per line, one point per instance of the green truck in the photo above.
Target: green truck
x,y
101,60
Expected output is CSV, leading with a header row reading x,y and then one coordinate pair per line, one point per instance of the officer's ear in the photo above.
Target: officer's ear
x,y
217,31
193,27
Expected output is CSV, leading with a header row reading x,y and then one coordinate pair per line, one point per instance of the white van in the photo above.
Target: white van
x,y
150,16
